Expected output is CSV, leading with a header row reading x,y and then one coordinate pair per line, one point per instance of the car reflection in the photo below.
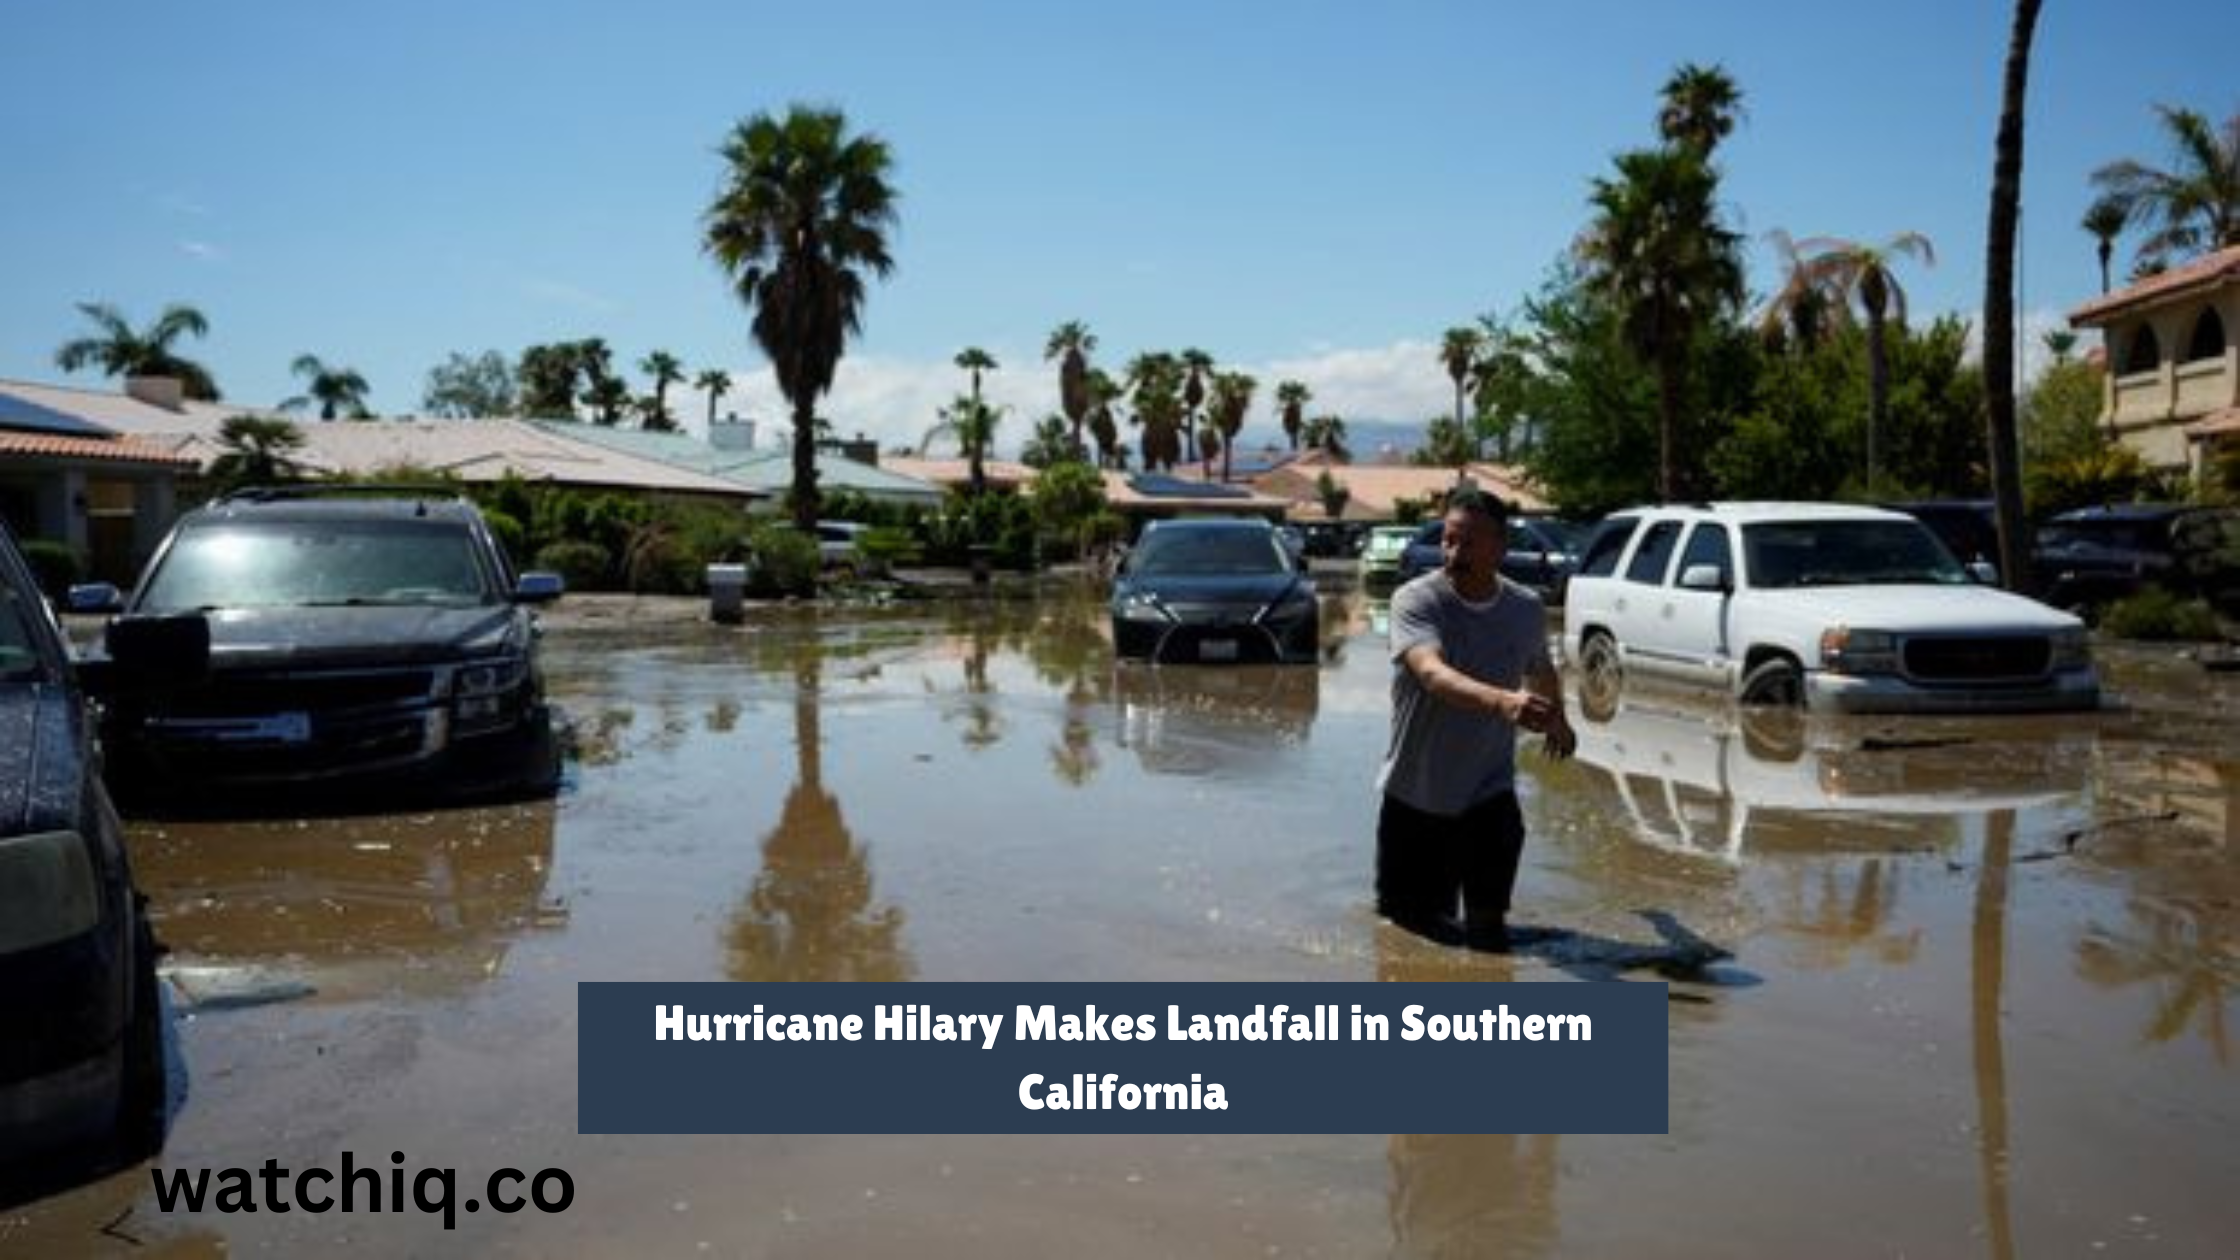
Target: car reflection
x,y
348,907
1716,781
1202,721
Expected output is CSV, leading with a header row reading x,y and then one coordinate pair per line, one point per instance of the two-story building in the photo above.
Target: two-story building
x,y
2173,385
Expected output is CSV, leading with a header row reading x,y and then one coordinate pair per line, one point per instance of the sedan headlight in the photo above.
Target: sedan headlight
x,y
48,892
2072,648
1294,604
1847,651
1142,607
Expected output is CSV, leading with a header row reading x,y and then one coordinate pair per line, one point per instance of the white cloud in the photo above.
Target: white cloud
x,y
895,401
202,250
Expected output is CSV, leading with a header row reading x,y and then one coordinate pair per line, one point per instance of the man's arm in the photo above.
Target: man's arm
x,y
1529,709
1546,684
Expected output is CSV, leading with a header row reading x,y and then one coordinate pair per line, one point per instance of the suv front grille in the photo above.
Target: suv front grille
x,y
1995,658
255,695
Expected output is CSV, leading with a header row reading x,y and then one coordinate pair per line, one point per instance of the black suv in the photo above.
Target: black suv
x,y
355,643
81,1022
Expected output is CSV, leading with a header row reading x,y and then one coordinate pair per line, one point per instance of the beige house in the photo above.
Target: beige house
x,y
2173,385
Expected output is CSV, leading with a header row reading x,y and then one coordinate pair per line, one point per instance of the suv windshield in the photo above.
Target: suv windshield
x,y
1846,553
1186,551
297,564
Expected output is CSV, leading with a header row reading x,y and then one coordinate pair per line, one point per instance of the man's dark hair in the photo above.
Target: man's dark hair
x,y
1489,506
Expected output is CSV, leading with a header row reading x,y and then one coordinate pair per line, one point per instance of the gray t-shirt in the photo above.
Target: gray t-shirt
x,y
1443,759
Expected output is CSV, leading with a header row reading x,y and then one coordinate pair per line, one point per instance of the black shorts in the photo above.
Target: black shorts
x,y
1427,863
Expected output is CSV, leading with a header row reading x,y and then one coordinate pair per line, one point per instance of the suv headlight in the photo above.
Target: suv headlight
x,y
48,892
1847,651
491,677
2072,648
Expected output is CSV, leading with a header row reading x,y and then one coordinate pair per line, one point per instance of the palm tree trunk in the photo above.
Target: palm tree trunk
x,y
1668,421
1878,394
805,465
1458,417
2107,251
1998,304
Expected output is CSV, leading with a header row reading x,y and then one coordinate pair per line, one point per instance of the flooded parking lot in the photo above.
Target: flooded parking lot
x,y
1977,1004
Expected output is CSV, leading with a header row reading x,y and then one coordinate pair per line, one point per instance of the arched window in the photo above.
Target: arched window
x,y
2145,354
2208,337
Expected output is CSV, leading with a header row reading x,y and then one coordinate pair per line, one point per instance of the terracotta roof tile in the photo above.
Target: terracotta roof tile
x,y
2205,272
106,450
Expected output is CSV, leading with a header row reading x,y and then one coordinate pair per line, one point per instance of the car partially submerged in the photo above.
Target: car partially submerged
x,y
1825,605
356,644
1214,591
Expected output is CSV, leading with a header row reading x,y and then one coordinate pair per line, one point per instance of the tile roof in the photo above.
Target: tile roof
x,y
765,471
1373,489
1120,493
1001,474
2206,272
105,450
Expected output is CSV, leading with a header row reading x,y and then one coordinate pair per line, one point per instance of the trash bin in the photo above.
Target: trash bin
x,y
727,593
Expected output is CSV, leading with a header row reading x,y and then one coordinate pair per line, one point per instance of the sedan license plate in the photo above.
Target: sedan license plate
x,y
1217,649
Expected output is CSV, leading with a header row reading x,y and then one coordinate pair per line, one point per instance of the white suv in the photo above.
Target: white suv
x,y
1845,608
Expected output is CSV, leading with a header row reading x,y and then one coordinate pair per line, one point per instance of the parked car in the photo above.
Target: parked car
x,y
2097,555
1335,540
81,1062
1214,590
836,542
1968,528
1542,554
1380,555
355,643
1846,608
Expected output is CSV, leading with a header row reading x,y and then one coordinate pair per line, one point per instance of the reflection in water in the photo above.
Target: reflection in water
x,y
443,892
810,913
1200,719
1989,982
2186,952
1842,907
1465,1194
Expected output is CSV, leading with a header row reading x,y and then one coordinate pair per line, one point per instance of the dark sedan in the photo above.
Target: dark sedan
x,y
2097,555
1213,591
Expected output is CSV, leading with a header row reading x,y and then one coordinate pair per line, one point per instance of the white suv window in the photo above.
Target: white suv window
x,y
1654,553
1707,544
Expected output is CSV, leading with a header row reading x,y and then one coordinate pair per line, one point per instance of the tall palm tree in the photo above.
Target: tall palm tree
x,y
1232,399
1199,365
2194,206
1701,106
1071,343
608,397
1327,433
1458,353
1104,430
120,350
1807,309
1293,397
339,391
1155,380
1658,251
800,221
1864,271
717,383
975,360
973,424
666,370
2104,221
1998,303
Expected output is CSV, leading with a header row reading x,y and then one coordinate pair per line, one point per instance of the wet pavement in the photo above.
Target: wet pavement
x,y
1976,1004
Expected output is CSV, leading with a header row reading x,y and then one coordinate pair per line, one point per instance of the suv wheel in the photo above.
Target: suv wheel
x,y
1601,676
1775,682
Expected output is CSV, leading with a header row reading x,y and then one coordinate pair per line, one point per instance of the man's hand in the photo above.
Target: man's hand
x,y
1529,711
1562,741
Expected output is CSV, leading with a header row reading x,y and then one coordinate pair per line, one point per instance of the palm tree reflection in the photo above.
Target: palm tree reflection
x,y
811,914
1989,932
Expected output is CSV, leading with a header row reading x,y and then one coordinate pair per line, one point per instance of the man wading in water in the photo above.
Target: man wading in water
x,y
1470,670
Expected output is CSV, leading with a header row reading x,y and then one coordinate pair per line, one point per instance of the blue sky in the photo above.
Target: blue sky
x,y
1305,189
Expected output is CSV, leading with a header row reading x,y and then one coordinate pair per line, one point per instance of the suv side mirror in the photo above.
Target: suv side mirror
x,y
95,597
1703,577
149,654
1984,571
539,588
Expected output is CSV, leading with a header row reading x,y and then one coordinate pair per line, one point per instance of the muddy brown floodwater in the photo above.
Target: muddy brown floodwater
x,y
1978,1005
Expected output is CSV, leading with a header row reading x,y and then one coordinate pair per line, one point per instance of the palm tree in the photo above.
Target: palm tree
x,y
2195,205
1458,353
339,391
1327,433
1070,343
1864,271
1658,252
2060,343
800,221
717,383
2105,220
1293,397
1156,381
1199,365
973,424
1806,310
975,360
666,370
1998,303
1701,106
256,452
1232,399
121,351
1103,429
608,397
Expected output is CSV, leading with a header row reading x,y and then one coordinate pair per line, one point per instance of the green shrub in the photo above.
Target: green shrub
x,y
2155,613
585,565
785,562
55,565
2206,546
